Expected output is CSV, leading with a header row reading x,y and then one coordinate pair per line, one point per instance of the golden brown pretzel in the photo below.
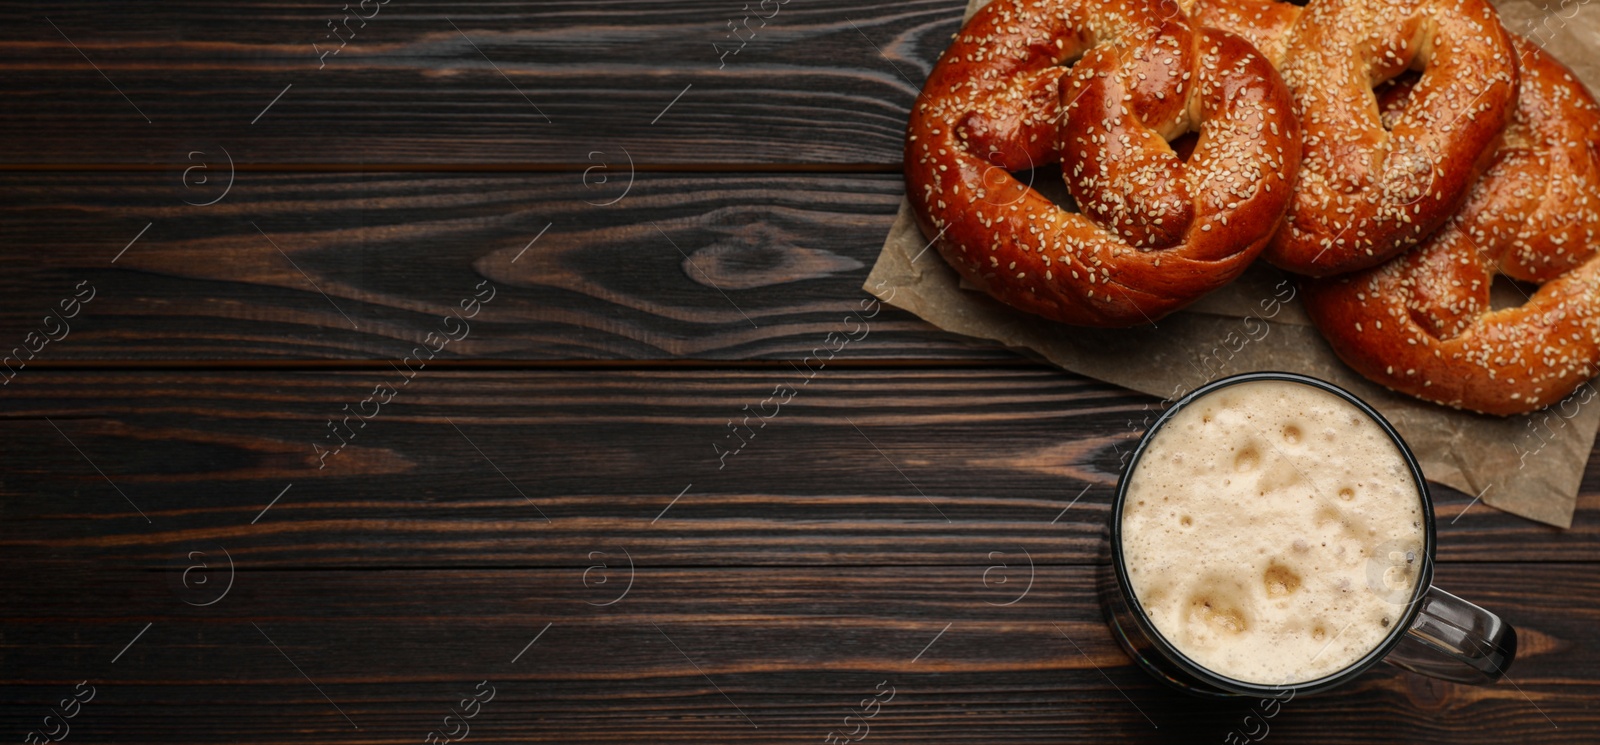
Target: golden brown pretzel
x,y
1156,232
1421,324
1264,23
1368,192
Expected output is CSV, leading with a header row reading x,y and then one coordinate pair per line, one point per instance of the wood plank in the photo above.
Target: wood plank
x,y
703,266
538,468
521,83
711,655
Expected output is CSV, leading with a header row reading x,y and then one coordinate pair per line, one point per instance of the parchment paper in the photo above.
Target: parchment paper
x,y
1527,465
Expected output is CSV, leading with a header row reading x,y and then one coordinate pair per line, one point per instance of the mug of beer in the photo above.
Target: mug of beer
x,y
1273,536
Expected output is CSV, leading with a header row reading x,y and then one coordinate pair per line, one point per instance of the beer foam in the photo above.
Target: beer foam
x,y
1272,532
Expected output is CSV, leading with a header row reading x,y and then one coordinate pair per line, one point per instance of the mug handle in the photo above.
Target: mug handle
x,y
1455,640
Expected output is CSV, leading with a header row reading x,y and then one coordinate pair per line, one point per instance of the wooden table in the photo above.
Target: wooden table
x,y
551,508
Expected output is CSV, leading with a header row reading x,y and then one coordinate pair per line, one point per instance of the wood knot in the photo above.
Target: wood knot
x,y
760,255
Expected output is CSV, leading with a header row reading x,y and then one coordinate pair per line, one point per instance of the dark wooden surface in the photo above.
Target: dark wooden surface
x,y
810,87
543,507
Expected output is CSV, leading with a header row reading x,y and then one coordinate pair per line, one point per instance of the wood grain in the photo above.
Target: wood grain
x,y
537,468
519,83
711,655
703,266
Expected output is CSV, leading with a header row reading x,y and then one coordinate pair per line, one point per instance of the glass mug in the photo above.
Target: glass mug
x,y
1438,634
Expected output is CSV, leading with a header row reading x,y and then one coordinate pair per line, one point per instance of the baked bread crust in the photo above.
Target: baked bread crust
x,y
1422,323
1367,191
1156,232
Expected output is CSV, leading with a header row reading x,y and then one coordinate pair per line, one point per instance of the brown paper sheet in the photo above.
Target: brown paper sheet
x,y
1527,465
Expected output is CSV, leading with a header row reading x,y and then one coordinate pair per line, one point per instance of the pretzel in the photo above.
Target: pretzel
x,y
1422,323
1155,232
1368,192
1263,23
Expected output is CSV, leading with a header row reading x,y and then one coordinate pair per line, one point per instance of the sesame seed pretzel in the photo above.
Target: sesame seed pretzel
x,y
1155,232
1368,191
1422,324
